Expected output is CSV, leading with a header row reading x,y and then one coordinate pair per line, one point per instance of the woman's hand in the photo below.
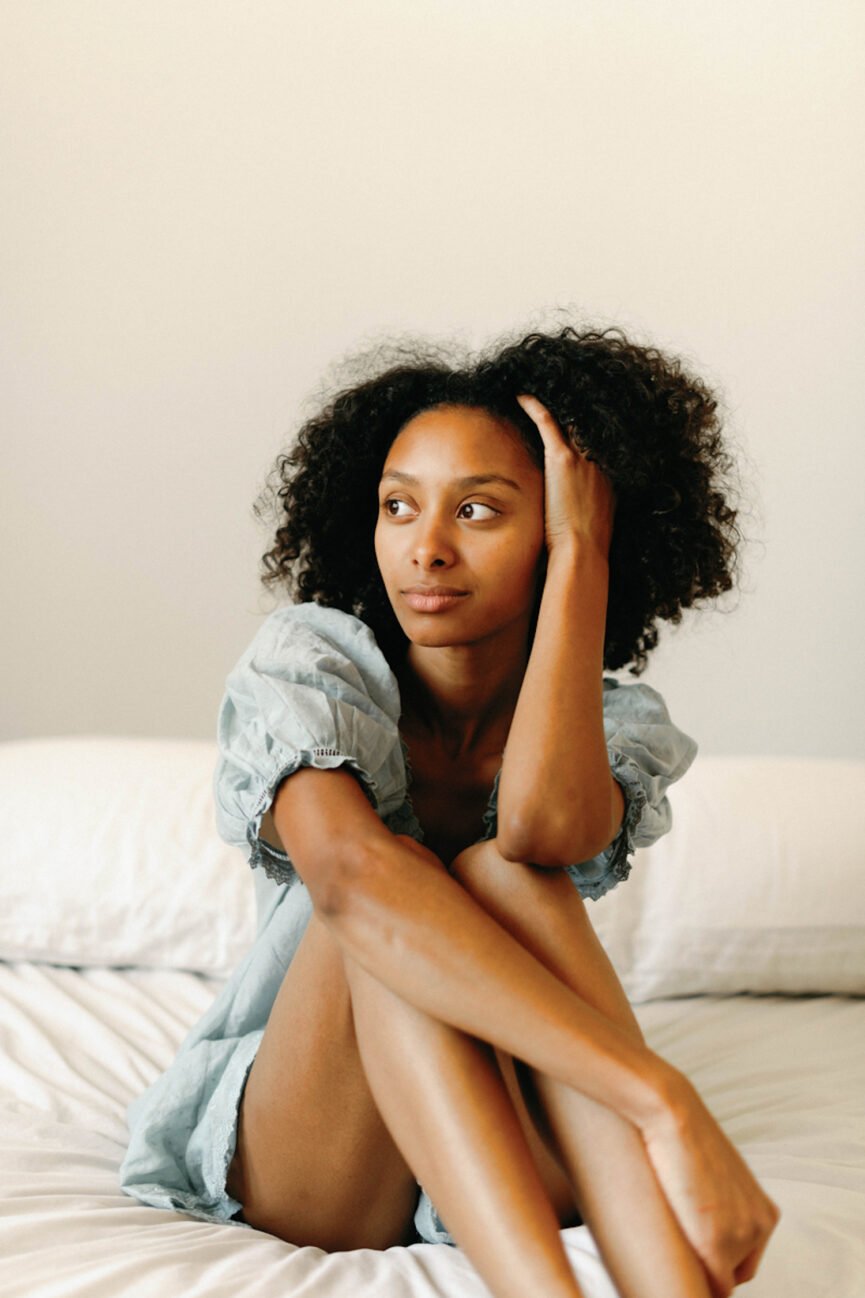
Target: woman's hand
x,y
579,499
719,1205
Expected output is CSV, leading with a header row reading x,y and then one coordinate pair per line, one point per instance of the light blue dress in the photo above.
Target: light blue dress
x,y
314,689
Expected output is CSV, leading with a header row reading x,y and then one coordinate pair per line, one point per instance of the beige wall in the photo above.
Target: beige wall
x,y
208,203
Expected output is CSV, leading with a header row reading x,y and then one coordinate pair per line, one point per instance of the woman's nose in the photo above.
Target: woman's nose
x,y
433,544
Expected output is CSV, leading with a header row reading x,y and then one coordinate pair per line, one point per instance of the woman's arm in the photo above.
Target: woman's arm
x,y
558,801
393,907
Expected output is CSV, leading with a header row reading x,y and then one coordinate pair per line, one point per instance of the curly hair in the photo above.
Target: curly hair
x,y
651,426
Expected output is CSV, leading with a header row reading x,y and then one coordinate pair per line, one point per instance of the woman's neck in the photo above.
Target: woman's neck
x,y
461,697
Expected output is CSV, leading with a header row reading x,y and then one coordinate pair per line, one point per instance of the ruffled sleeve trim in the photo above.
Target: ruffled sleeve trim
x,y
276,863
490,816
313,689
617,856
646,753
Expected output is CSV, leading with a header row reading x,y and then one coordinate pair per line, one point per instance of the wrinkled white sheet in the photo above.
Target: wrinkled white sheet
x,y
786,1078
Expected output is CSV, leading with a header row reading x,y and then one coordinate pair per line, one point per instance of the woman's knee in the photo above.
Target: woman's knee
x,y
542,908
533,889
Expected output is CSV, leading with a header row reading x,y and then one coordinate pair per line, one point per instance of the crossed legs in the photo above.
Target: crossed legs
x,y
353,1087
614,1186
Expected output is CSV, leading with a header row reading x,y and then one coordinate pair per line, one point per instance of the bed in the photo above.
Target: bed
x,y
740,939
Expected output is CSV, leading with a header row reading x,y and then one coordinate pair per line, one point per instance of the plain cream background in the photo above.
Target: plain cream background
x,y
207,204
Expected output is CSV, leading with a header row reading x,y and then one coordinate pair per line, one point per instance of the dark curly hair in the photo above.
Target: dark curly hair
x,y
652,427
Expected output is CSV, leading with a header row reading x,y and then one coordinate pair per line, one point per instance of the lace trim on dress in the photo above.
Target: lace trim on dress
x,y
276,864
403,820
490,816
406,812
626,772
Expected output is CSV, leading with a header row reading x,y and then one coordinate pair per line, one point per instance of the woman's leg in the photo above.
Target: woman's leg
x,y
614,1186
315,1164
444,1099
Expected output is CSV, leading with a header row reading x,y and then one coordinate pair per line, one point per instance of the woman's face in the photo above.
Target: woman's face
x,y
435,527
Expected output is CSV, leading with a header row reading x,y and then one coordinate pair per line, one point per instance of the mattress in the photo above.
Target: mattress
x,y
785,1076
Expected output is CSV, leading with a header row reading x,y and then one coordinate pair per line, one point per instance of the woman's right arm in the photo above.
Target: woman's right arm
x,y
394,909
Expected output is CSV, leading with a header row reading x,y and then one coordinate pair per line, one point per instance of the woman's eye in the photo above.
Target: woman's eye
x,y
387,508
391,506
478,504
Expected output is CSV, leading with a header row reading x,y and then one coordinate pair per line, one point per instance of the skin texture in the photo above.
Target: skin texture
x,y
465,666
390,1050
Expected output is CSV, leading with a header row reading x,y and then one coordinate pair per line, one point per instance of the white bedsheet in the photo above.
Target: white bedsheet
x,y
786,1078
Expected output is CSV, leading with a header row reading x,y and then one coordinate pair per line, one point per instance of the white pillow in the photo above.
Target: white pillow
x,y
758,887
109,856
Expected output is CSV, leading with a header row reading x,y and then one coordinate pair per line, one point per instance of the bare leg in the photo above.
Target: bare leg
x,y
315,1163
447,1107
619,1198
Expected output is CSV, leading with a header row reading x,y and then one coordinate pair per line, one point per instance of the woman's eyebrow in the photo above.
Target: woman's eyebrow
x,y
475,480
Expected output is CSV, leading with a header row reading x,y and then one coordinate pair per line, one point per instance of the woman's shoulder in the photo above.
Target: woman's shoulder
x,y
637,722
309,620
316,643
634,698
312,689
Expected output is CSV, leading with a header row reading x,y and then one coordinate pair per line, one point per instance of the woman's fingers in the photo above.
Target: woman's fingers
x,y
556,442
538,412
730,1262
720,1206
738,1245
579,501
747,1269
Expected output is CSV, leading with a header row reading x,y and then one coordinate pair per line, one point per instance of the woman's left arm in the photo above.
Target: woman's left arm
x,y
558,802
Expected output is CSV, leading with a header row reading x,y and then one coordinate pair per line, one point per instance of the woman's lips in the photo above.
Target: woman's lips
x,y
431,603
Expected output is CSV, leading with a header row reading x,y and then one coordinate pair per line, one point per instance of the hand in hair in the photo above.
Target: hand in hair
x,y
579,501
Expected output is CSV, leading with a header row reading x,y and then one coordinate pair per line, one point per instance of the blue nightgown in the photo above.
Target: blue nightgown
x,y
314,689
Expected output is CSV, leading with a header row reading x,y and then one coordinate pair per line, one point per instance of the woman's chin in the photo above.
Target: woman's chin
x,y
432,631
432,637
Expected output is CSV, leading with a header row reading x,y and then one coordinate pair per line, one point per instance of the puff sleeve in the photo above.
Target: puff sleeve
x,y
312,689
647,754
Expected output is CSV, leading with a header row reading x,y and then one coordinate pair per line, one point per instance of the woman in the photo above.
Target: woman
x,y
426,1004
